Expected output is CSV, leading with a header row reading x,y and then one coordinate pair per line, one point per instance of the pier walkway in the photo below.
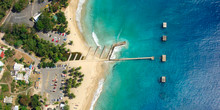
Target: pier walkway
x,y
138,58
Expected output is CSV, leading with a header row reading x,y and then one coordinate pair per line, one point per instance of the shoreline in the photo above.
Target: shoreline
x,y
94,71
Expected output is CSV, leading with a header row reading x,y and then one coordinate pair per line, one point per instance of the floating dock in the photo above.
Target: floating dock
x,y
163,79
164,38
164,24
163,58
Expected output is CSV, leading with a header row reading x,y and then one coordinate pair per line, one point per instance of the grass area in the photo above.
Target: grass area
x,y
4,88
6,77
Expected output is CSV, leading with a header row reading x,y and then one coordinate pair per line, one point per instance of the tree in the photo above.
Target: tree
x,y
35,101
23,108
71,42
65,71
61,17
24,100
39,25
20,5
66,107
22,59
71,95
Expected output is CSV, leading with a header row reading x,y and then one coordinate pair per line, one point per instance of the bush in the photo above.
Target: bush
x,y
20,5
4,88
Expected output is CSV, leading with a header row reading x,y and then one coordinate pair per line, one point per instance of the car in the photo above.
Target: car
x,y
54,91
55,85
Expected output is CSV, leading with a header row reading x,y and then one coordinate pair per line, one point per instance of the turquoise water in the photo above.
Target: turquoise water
x,y
193,53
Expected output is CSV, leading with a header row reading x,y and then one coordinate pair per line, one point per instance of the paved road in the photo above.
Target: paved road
x,y
49,74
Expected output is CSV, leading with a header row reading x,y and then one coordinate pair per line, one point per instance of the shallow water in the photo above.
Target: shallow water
x,y
192,49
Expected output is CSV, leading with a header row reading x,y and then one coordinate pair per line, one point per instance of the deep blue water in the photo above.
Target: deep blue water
x,y
193,53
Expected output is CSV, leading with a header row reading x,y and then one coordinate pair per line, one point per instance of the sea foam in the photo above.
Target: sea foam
x,y
78,14
116,51
95,38
97,93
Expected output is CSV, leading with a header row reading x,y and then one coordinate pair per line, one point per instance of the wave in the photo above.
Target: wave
x,y
95,38
78,14
116,51
97,93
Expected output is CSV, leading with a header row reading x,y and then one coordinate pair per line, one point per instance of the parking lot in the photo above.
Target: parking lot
x,y
24,16
53,37
51,83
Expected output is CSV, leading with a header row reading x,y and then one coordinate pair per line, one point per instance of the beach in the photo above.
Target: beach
x,y
92,70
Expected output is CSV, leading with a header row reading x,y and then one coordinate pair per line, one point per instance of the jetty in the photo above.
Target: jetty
x,y
163,79
164,38
164,24
163,58
113,47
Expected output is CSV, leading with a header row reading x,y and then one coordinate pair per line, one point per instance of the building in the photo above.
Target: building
x,y
19,76
18,67
36,17
2,53
8,99
36,84
16,107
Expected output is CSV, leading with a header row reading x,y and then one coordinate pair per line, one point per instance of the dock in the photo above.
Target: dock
x,y
164,24
164,38
163,58
139,58
163,79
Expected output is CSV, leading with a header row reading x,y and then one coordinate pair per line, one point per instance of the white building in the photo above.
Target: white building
x,y
16,107
36,17
18,67
8,99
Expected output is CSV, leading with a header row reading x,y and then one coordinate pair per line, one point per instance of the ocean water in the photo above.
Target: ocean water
x,y
193,53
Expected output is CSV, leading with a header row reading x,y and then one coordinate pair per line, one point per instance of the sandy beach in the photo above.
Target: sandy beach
x,y
93,70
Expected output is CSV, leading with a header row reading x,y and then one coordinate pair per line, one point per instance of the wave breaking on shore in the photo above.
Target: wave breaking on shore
x,y
97,93
78,14
96,40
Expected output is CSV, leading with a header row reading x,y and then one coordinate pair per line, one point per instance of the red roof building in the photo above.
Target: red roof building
x,y
2,54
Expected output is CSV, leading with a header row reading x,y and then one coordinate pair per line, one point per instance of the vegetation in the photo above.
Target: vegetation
x,y
8,107
21,82
44,22
9,52
6,76
74,81
61,19
47,64
24,100
20,5
31,42
4,6
66,107
4,88
33,101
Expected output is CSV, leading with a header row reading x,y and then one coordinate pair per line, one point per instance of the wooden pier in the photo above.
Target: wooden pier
x,y
139,58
